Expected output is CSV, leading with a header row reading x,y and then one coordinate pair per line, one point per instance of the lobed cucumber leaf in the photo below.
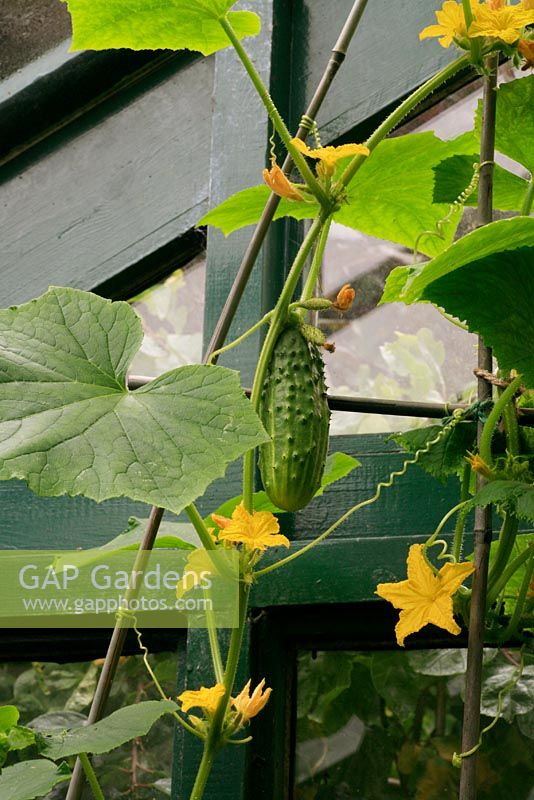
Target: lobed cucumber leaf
x,y
513,138
31,779
122,726
68,424
515,496
498,260
454,174
390,197
446,457
514,132
160,24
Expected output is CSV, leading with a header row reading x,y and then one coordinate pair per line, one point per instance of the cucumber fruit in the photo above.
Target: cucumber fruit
x,y
295,413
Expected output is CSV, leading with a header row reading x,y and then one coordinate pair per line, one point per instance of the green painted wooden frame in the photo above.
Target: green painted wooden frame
x,y
297,37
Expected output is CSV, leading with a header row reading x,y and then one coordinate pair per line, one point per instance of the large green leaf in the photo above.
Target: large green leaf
x,y
515,496
486,280
454,174
155,25
31,779
122,726
68,425
514,133
446,457
438,663
518,700
9,716
390,197
514,137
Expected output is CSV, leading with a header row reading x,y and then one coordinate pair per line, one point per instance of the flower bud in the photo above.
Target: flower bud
x,y
316,304
479,466
345,298
526,48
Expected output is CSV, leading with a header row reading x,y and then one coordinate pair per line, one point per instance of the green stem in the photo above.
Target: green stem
x,y
214,738
90,774
475,43
279,315
512,626
200,527
511,428
203,773
458,540
396,117
274,114
507,574
216,353
214,643
493,419
159,688
315,269
505,546
528,201
444,521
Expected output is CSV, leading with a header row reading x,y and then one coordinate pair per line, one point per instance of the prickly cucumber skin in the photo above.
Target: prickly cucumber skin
x,y
295,413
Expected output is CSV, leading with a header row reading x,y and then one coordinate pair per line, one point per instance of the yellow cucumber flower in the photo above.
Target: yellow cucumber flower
x,y
329,156
206,699
247,705
200,565
425,598
256,531
503,22
279,183
451,23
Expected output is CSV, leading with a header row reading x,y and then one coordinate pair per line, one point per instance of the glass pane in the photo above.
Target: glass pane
x,y
384,725
28,28
172,313
395,351
53,696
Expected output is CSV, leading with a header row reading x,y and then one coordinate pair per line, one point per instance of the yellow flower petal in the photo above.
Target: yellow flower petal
x,y
331,155
504,23
425,598
256,531
247,705
451,23
200,565
205,698
280,184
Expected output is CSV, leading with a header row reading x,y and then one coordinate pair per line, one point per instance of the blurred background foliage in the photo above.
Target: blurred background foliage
x,y
53,697
383,725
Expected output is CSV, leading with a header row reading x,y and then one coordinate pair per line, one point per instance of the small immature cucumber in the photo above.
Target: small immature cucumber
x,y
295,413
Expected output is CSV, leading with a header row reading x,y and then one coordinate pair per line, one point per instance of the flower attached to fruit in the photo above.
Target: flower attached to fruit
x,y
345,298
248,705
279,183
451,26
329,156
425,597
256,531
207,699
501,22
